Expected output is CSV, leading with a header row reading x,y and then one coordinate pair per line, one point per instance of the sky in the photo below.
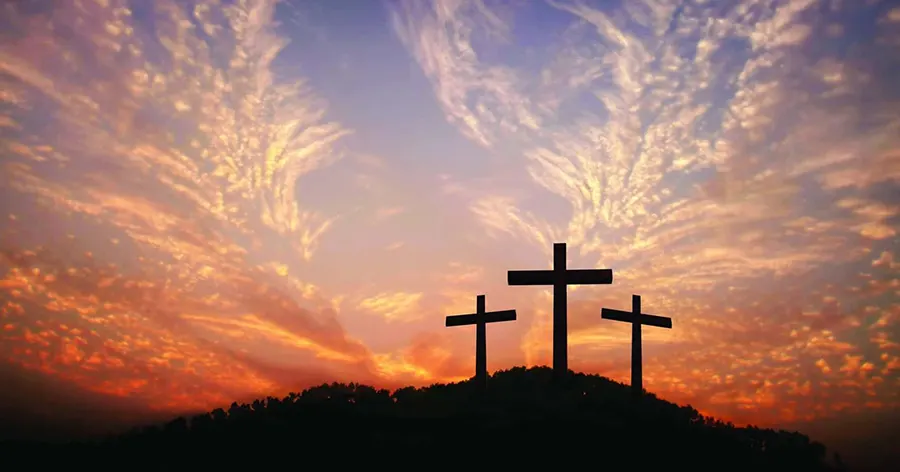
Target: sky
x,y
207,201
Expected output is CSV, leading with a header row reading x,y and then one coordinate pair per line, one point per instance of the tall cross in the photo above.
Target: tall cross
x,y
480,319
636,318
560,277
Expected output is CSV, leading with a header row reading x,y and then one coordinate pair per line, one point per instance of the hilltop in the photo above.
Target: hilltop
x,y
523,419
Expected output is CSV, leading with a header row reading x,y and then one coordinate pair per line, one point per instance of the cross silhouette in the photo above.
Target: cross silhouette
x,y
560,278
637,319
480,319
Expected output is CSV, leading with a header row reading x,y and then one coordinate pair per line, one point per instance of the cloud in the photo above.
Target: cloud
x,y
395,246
460,273
396,306
384,213
482,100
502,217
243,176
886,260
107,330
182,148
430,357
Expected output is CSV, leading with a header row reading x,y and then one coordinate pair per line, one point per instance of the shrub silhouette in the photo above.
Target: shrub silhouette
x,y
524,419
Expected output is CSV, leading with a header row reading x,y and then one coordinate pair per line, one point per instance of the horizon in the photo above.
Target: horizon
x,y
211,201
188,415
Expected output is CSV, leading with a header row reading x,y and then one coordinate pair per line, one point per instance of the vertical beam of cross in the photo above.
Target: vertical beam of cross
x,y
480,319
560,311
560,277
637,354
480,340
637,319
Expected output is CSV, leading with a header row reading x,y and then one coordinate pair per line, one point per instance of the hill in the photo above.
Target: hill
x,y
522,420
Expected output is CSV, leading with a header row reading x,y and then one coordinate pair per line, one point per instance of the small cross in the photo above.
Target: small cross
x,y
637,319
560,278
480,319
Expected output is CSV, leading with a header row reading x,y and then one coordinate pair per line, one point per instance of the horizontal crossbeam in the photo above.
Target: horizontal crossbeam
x,y
572,277
589,276
489,317
627,317
530,277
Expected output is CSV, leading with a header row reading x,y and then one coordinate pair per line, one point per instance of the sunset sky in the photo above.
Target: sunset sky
x,y
210,201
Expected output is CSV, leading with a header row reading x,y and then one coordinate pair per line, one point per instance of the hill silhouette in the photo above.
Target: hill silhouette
x,y
524,419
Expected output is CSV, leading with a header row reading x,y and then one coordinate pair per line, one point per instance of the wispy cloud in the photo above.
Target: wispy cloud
x,y
385,213
483,100
398,306
180,143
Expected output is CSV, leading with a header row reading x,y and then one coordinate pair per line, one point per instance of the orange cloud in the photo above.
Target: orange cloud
x,y
398,306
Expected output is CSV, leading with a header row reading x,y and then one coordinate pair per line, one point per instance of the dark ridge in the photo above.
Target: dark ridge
x,y
524,419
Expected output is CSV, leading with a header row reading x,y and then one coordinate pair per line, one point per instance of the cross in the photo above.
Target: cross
x,y
480,319
636,318
559,277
